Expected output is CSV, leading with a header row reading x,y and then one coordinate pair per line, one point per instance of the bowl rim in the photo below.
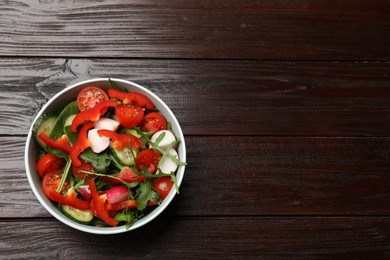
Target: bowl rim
x,y
49,206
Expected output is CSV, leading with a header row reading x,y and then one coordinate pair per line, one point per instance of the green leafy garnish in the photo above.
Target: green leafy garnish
x,y
145,193
115,86
64,174
129,216
58,128
100,161
154,145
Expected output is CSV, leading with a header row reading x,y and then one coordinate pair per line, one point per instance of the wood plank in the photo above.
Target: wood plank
x,y
220,97
267,30
203,238
250,176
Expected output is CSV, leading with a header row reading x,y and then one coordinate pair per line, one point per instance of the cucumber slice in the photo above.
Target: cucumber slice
x,y
69,120
80,216
132,132
125,156
45,126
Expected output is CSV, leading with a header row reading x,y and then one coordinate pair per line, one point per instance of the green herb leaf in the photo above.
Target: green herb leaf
x,y
148,175
100,161
129,216
71,136
115,86
145,193
58,128
64,174
154,145
130,185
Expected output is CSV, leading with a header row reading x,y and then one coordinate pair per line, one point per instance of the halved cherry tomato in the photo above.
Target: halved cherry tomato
x,y
49,186
149,159
153,121
131,98
49,163
163,186
85,166
129,115
51,181
127,204
89,97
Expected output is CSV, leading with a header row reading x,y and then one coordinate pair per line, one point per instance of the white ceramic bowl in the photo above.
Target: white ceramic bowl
x,y
58,102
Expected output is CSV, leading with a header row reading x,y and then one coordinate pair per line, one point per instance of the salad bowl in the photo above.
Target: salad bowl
x,y
56,104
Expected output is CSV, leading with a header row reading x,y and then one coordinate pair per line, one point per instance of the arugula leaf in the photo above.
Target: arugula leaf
x,y
130,217
64,175
145,193
100,161
149,175
129,185
154,145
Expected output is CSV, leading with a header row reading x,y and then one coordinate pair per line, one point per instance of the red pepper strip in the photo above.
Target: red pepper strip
x,y
69,199
131,97
120,141
99,205
61,143
127,204
92,114
80,145
93,209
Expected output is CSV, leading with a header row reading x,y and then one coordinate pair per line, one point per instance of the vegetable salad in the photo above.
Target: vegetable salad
x,y
108,157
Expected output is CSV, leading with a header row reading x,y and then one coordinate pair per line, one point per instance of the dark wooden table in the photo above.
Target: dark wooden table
x,y
285,107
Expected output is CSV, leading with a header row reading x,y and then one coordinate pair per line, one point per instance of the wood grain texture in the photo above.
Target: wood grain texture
x,y
219,97
216,238
277,30
285,107
250,176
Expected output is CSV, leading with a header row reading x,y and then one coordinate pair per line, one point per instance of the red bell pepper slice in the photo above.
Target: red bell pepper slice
x,y
120,141
81,144
99,205
127,204
131,97
69,199
61,143
92,114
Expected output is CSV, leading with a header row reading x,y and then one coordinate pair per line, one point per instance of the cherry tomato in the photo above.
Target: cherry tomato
x,y
85,166
163,186
49,186
149,159
153,121
49,163
129,115
51,181
89,97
